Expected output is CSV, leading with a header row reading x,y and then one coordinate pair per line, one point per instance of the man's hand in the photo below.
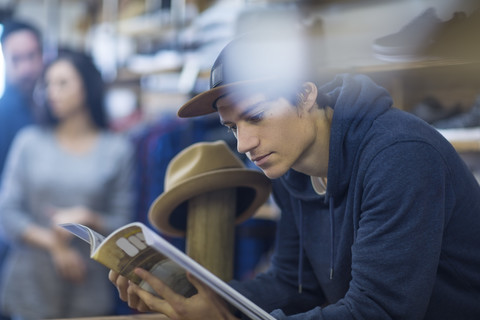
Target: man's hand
x,y
206,304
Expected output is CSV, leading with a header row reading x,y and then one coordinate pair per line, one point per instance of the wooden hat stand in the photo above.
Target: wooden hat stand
x,y
210,233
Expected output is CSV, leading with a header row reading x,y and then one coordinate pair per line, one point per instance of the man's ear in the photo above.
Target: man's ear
x,y
308,95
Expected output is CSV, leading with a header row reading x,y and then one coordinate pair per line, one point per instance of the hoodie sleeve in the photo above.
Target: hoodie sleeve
x,y
278,287
398,242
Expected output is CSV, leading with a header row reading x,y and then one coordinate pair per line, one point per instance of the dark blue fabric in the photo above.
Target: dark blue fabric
x,y
158,144
15,113
406,222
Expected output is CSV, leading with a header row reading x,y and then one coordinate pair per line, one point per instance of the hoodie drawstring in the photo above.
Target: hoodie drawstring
x,y
300,254
332,243
332,235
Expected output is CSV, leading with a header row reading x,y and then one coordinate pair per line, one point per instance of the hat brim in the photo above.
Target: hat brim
x,y
168,212
202,103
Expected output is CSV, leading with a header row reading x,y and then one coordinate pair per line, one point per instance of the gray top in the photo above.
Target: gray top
x,y
39,175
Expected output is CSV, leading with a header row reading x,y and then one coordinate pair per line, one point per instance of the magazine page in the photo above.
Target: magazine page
x,y
125,249
243,304
86,234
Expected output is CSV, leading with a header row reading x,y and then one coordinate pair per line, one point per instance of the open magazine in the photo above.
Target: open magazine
x,y
135,245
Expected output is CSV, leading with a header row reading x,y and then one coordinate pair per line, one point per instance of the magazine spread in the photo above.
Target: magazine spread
x,y
136,245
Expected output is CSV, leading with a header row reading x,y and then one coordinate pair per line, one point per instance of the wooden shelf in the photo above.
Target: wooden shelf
x,y
415,65
464,139
157,25
451,81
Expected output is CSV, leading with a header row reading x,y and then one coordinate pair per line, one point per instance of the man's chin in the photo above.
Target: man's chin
x,y
271,173
26,88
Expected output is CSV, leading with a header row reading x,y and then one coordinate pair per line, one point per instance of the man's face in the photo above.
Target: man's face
x,y
23,60
272,133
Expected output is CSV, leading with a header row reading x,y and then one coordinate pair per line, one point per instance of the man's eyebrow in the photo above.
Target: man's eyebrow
x,y
243,113
250,108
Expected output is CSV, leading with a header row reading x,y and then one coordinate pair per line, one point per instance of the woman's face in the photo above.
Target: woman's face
x,y
274,134
65,90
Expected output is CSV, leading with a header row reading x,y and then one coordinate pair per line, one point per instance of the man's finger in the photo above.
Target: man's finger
x,y
133,299
121,283
174,299
200,286
149,302
112,276
160,288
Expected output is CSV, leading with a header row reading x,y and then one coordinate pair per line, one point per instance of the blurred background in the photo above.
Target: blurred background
x,y
156,53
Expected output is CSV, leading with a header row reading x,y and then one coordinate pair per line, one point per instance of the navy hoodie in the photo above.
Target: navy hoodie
x,y
397,234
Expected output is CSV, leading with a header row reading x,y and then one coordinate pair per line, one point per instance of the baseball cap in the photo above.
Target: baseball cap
x,y
253,61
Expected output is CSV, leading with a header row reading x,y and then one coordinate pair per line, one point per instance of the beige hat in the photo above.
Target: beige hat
x,y
201,168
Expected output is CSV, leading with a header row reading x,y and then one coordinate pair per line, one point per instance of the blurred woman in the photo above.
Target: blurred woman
x,y
72,169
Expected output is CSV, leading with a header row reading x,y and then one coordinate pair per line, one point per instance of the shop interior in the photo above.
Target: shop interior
x,y
154,55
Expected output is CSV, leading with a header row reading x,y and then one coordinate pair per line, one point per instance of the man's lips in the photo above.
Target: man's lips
x,y
260,159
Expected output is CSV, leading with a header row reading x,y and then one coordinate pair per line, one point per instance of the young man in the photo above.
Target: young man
x,y
380,216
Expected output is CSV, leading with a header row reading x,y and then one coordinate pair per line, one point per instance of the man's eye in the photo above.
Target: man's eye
x,y
256,117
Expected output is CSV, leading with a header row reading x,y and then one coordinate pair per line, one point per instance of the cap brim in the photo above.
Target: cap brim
x,y
162,211
202,103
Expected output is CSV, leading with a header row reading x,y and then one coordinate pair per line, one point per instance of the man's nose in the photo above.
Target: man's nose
x,y
27,66
247,139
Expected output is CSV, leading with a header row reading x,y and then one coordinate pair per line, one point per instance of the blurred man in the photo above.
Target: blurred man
x,y
22,52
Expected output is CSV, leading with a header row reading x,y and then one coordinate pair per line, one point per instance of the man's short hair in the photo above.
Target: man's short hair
x,y
12,26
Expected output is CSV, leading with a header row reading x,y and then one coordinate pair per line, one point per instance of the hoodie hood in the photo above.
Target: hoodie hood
x,y
357,101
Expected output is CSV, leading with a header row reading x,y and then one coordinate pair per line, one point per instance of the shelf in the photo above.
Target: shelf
x,y
464,139
451,81
415,65
155,25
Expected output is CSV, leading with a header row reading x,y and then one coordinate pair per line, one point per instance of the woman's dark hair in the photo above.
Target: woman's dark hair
x,y
93,84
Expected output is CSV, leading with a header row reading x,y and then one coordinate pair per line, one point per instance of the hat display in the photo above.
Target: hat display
x,y
204,167
270,59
